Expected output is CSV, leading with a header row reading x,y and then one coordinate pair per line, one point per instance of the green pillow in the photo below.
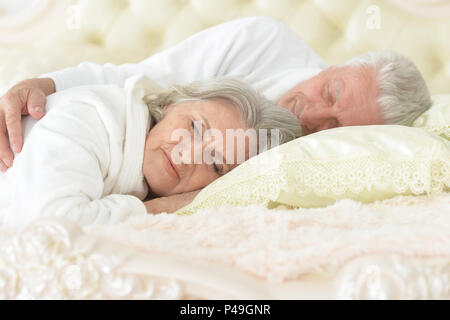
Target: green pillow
x,y
364,163
437,118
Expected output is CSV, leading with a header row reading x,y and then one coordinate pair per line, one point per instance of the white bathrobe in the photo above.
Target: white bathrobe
x,y
83,160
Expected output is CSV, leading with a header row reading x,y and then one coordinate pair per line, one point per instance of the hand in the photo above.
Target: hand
x,y
28,97
171,203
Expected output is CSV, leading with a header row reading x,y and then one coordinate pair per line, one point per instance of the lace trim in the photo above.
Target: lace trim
x,y
367,174
349,177
443,131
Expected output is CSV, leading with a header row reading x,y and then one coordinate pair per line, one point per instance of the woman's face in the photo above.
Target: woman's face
x,y
165,172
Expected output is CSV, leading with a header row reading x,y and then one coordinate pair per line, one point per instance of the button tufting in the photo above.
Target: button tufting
x,y
336,30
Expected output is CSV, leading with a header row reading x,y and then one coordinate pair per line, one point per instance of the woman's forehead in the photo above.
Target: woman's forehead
x,y
220,114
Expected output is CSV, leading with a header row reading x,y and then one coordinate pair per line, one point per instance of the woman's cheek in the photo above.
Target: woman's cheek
x,y
202,177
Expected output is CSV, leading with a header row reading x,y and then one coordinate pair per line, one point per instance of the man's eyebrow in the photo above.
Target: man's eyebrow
x,y
339,87
326,91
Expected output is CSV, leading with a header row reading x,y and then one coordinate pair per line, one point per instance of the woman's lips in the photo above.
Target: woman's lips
x,y
170,166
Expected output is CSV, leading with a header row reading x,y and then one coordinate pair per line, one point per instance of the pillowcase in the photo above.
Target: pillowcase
x,y
364,163
437,118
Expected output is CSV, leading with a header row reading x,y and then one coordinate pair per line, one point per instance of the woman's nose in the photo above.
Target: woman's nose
x,y
192,153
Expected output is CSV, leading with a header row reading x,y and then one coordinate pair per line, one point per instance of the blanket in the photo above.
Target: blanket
x,y
397,248
281,244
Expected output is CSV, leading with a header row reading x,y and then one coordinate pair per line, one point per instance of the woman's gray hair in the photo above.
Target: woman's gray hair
x,y
404,95
257,112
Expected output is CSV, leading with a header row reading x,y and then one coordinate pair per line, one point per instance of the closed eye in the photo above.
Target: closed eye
x,y
326,93
197,128
216,169
193,125
337,90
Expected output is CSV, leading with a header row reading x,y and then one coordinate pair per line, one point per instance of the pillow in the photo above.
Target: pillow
x,y
437,118
364,163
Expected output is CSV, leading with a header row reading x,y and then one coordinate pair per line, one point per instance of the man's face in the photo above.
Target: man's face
x,y
336,97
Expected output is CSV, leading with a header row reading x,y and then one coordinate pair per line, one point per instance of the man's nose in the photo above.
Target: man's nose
x,y
317,116
328,124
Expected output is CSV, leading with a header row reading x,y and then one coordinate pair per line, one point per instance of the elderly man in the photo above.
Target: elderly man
x,y
374,88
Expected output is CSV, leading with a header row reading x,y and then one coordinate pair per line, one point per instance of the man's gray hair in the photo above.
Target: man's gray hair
x,y
257,112
404,95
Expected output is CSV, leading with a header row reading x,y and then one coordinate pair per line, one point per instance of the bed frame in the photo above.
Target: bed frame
x,y
53,259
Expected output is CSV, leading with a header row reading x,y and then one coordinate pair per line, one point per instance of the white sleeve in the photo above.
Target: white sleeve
x,y
61,171
249,48
89,73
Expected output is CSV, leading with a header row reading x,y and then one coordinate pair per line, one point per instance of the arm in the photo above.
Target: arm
x,y
61,170
28,96
253,49
250,48
171,203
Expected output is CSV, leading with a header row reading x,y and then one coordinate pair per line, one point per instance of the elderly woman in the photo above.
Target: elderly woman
x,y
103,153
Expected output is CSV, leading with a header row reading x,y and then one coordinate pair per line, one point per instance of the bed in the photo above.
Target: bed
x,y
395,248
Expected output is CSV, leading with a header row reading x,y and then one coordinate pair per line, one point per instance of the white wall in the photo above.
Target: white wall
x,y
10,7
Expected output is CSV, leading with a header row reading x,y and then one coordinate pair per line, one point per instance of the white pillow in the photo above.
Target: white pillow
x,y
365,163
437,118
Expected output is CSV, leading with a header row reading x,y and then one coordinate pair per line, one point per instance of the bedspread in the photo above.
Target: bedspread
x,y
392,249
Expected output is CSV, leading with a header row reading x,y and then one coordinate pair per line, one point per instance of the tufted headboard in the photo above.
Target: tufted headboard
x,y
52,34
